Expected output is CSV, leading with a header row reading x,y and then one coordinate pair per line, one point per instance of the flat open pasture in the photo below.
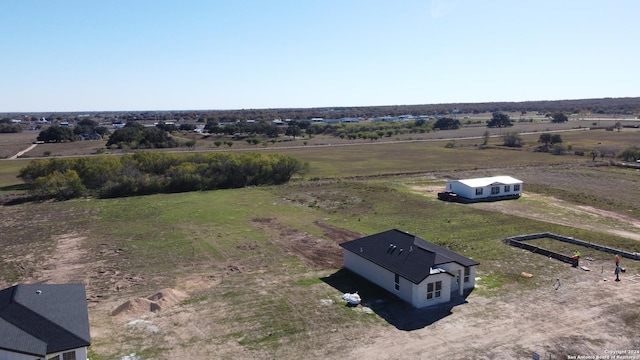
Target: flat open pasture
x,y
261,266
413,157
11,144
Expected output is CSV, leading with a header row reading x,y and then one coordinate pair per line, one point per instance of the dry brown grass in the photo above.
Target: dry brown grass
x,y
11,144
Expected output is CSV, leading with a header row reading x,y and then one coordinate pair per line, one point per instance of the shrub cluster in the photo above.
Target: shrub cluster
x,y
631,153
153,172
137,136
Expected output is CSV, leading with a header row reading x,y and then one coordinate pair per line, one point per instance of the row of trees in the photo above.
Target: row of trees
x,y
137,136
57,133
147,172
372,130
7,127
500,119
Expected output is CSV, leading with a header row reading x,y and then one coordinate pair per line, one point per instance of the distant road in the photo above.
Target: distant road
x,y
22,152
606,119
276,148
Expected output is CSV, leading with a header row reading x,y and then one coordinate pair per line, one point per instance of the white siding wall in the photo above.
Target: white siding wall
x,y
81,354
453,268
8,355
470,193
378,275
420,291
472,278
461,189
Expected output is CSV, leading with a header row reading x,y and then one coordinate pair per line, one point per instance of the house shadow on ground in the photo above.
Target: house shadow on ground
x,y
389,307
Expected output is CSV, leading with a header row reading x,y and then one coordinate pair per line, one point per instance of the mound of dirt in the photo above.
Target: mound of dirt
x,y
163,299
136,307
168,297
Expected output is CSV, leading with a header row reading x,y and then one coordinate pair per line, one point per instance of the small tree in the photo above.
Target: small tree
x,y
618,125
447,124
548,139
559,117
485,138
558,149
512,139
499,119
293,130
56,134
556,139
187,127
545,139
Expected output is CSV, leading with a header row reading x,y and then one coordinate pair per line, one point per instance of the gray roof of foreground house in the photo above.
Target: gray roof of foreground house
x,y
39,319
404,254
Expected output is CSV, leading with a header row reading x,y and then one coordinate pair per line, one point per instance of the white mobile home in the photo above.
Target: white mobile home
x,y
417,271
488,188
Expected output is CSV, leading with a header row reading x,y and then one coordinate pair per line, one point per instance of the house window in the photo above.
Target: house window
x,y
434,290
507,188
397,282
467,273
71,355
495,190
516,187
479,191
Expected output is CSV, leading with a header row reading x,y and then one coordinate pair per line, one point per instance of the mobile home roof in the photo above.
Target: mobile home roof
x,y
481,182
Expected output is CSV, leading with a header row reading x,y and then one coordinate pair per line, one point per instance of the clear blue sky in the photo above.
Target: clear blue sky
x,y
86,55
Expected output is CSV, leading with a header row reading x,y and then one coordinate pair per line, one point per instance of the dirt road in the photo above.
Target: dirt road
x,y
22,152
585,316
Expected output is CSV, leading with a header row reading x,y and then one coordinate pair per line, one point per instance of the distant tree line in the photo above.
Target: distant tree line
x,y
6,126
83,128
622,106
146,172
137,136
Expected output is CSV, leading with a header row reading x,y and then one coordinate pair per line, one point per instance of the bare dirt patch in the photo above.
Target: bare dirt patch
x,y
319,252
159,301
560,212
582,317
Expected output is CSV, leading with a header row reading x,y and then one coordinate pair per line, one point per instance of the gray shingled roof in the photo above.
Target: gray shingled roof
x,y
404,254
40,319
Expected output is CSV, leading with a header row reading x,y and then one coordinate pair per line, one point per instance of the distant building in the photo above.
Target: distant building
x,y
415,270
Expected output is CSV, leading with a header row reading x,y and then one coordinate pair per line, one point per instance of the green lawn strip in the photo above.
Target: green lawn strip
x,y
9,182
173,232
413,157
284,313
472,232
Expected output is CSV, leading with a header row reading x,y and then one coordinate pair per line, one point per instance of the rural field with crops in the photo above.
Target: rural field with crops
x,y
257,272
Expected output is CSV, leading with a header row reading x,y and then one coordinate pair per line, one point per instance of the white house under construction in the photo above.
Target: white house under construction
x,y
415,270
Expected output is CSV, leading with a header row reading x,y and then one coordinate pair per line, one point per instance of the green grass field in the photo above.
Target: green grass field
x,y
166,238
